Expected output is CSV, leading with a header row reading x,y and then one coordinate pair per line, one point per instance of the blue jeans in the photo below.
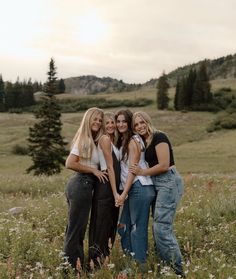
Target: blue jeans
x,y
133,227
169,187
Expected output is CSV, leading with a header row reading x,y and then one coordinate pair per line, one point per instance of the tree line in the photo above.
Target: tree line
x,y
20,94
193,91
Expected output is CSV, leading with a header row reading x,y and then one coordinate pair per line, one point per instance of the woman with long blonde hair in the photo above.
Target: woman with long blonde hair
x,y
84,160
169,188
104,214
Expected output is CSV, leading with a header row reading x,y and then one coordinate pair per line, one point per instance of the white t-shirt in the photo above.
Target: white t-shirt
x,y
144,180
91,162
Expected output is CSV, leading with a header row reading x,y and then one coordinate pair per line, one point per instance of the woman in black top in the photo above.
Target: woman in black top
x,y
169,188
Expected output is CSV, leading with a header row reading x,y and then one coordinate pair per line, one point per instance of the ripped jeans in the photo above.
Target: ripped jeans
x,y
169,187
133,223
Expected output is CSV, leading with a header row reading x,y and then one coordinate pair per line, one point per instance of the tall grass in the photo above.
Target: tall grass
x,y
31,241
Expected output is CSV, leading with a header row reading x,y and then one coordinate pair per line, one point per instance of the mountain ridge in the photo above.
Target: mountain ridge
x,y
219,68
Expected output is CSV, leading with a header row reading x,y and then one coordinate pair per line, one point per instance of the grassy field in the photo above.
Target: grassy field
x,y
31,240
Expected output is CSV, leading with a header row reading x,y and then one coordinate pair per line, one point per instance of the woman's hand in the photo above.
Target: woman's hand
x,y
135,169
117,197
101,175
121,199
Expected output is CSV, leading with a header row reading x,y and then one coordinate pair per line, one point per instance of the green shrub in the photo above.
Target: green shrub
x,y
223,121
232,107
20,150
15,110
222,99
80,104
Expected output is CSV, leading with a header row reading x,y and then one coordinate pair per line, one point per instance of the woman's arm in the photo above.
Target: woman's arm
x,y
134,157
163,155
73,163
105,144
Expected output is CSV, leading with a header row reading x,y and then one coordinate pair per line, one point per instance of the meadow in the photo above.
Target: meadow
x,y
33,210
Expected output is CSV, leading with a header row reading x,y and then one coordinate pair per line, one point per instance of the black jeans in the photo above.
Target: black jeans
x,y
79,193
103,224
104,218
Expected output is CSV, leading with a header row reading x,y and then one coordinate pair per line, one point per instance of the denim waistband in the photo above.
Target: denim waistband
x,y
88,176
171,171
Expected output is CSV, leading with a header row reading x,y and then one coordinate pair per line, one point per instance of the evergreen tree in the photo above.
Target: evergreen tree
x,y
190,87
27,95
162,92
176,98
46,145
9,95
202,87
61,86
2,95
182,94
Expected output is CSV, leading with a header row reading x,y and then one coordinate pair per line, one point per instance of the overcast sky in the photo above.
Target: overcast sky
x,y
133,40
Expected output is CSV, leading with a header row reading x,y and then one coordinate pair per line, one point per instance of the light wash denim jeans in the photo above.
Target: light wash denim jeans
x,y
134,221
169,188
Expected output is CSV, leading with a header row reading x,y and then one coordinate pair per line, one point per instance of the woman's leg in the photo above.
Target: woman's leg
x,y
101,223
124,228
140,199
79,197
169,192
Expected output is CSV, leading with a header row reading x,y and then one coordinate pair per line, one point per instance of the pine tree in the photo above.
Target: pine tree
x,y
202,87
46,145
61,86
9,95
176,98
182,100
2,94
162,92
190,87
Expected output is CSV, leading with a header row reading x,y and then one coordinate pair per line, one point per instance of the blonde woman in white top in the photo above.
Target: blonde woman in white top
x,y
104,215
84,160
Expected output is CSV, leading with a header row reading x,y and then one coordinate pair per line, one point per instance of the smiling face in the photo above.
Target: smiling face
x,y
110,126
96,122
121,124
141,127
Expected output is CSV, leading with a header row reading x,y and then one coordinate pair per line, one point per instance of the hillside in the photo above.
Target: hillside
x,y
87,85
218,69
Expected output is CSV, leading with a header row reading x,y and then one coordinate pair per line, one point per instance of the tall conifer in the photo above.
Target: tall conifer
x,y
202,87
2,94
162,92
46,145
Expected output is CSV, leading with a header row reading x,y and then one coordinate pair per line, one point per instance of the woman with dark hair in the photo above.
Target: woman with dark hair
x,y
169,188
137,192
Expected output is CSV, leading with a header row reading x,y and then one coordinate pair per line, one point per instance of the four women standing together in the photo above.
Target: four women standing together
x,y
121,161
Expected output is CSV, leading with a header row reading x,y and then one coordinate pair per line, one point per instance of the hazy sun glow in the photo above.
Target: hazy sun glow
x,y
91,29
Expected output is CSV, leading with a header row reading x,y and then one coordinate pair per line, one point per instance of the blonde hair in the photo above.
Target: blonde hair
x,y
147,119
83,138
107,116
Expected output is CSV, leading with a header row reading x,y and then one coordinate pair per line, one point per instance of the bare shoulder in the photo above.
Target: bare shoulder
x,y
104,139
134,145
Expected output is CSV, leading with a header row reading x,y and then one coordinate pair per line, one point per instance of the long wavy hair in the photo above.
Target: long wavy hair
x,y
111,115
147,119
84,139
124,139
